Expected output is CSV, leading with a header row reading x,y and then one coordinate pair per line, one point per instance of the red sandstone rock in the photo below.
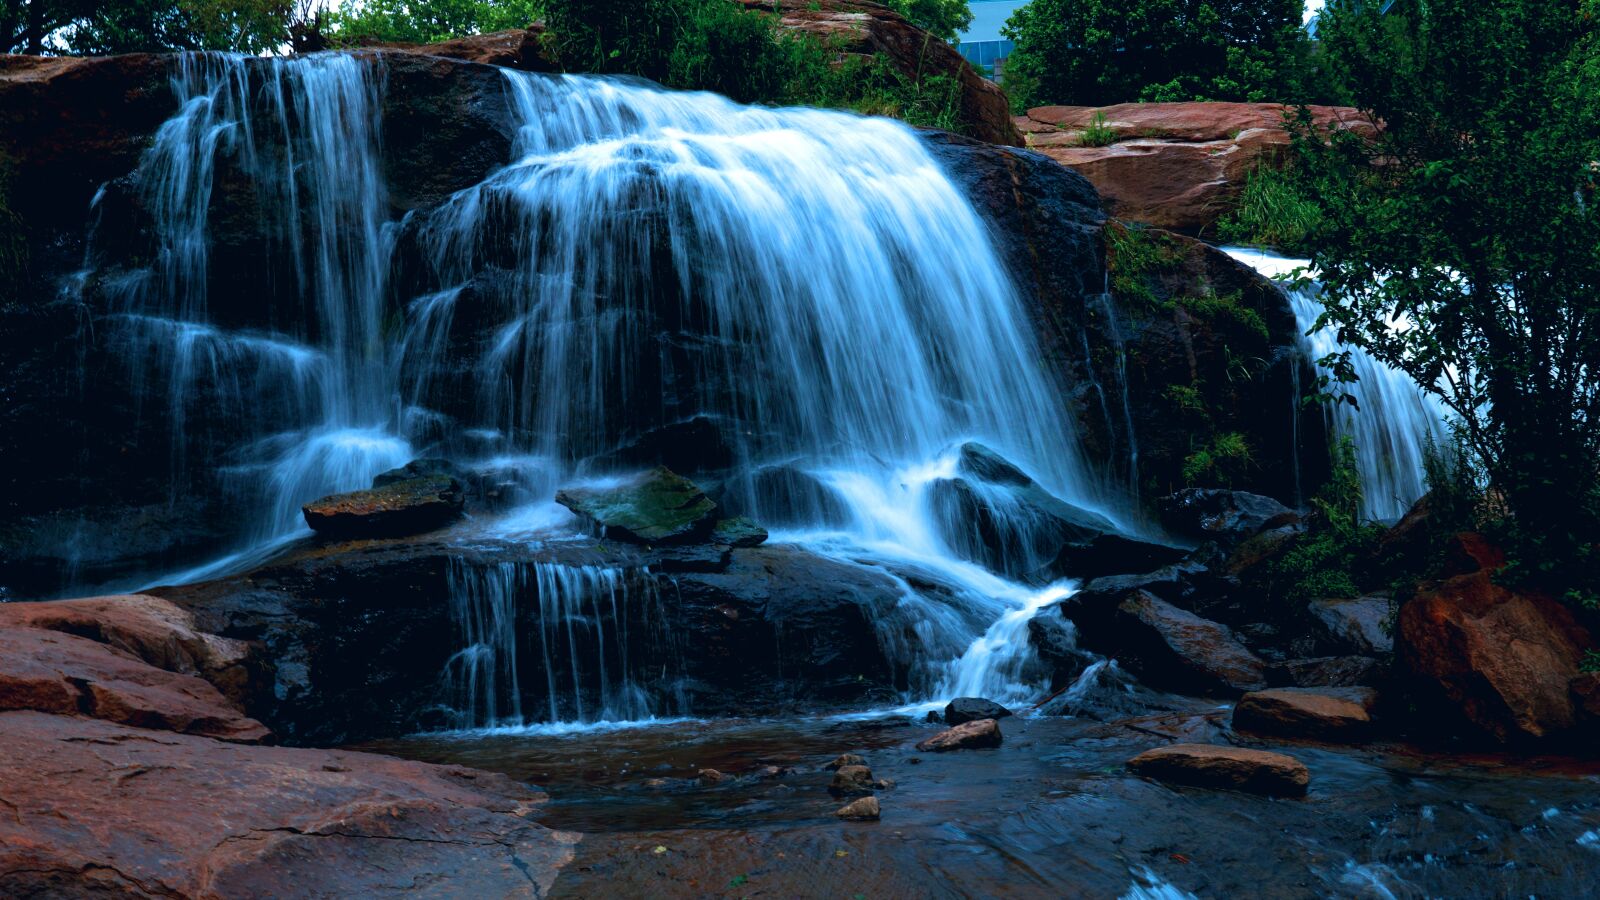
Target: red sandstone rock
x,y
92,808
1504,659
1173,165
1336,714
972,735
412,506
1233,768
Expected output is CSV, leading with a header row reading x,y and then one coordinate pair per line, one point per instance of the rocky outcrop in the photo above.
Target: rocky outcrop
x,y
1172,165
1331,714
1173,648
865,29
977,734
1227,517
1230,768
391,508
1357,625
970,709
1500,659
98,808
655,507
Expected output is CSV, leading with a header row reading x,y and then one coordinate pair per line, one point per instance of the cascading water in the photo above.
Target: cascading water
x,y
309,411
1395,419
812,281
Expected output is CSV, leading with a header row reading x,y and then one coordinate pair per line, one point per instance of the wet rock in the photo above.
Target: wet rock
x,y
865,809
710,776
1502,659
1011,529
53,672
1332,714
977,461
1585,688
1055,640
1227,517
419,468
847,759
1359,626
1325,671
1113,554
98,808
398,508
696,445
975,735
788,495
1172,648
1249,557
851,780
969,709
738,532
654,507
1230,768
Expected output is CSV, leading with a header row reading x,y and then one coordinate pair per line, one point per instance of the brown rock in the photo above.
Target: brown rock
x,y
850,781
1320,713
1178,649
847,759
95,808
865,809
1231,768
1325,671
1585,688
403,507
1504,659
711,776
862,29
47,671
1360,626
1173,165
973,735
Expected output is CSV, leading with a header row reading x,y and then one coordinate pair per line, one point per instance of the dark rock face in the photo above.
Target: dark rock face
x,y
969,709
1228,517
1176,649
1359,626
391,509
1326,671
127,811
656,507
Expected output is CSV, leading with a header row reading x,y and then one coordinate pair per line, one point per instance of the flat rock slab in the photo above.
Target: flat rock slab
x,y
1229,768
655,507
974,735
96,808
398,508
1334,714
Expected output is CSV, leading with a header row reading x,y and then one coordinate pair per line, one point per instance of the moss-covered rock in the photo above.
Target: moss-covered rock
x,y
395,508
655,507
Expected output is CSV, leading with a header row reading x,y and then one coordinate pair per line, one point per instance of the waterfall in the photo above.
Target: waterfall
x,y
576,630
1394,418
308,411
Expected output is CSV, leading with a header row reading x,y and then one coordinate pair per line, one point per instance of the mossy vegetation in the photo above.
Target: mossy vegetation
x,y
1134,257
1336,556
1225,460
1273,211
1097,133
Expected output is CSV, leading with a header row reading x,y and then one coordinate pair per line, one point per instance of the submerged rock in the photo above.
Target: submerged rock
x,y
968,709
865,809
398,508
1335,714
1231,768
654,507
847,759
974,735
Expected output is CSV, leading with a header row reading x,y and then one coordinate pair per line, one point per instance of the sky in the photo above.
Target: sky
x,y
989,15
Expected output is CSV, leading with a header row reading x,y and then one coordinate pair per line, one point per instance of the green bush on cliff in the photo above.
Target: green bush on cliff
x,y
1274,210
423,23
1225,460
1333,557
126,26
1100,52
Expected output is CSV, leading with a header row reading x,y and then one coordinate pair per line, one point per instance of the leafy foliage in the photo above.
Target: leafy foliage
x,y
422,23
1472,218
944,19
126,26
1100,52
1273,211
1332,559
1097,133
1224,460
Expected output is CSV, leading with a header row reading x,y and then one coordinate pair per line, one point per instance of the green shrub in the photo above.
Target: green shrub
x,y
1097,133
423,23
1334,557
1225,460
1273,211
1133,256
1229,314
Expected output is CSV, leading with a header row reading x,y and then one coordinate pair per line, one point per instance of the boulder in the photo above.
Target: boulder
x,y
1503,659
788,495
48,671
654,507
847,759
1325,671
1229,768
864,809
1173,165
974,735
97,808
858,29
851,780
1334,714
969,709
1113,554
695,445
1585,688
1358,626
419,468
1227,517
1178,650
738,532
410,506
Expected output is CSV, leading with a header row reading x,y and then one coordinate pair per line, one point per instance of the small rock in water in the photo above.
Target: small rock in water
x,y
970,709
655,784
1231,768
846,759
411,506
884,784
850,781
968,736
711,776
655,507
865,809
769,772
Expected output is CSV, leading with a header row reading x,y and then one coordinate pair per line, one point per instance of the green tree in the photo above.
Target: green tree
x,y
1471,218
1099,52
126,26
429,21
944,19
